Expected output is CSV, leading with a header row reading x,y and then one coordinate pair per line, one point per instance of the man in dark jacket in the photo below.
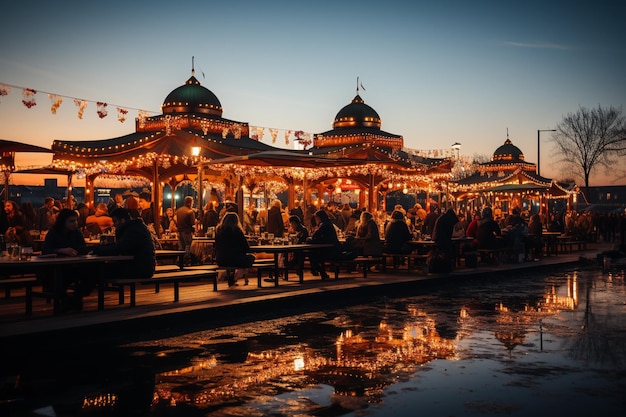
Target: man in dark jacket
x,y
132,237
324,234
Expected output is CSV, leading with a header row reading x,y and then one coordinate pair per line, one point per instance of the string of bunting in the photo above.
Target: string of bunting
x,y
29,100
102,110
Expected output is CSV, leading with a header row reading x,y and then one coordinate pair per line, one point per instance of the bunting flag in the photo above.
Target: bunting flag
x,y
273,134
82,105
236,129
259,132
4,90
28,97
142,115
56,102
102,109
121,114
287,134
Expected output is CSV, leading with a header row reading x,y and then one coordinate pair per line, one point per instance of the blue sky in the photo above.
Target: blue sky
x,y
437,73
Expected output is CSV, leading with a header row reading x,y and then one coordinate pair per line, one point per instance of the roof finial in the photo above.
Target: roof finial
x,y
193,71
507,133
359,85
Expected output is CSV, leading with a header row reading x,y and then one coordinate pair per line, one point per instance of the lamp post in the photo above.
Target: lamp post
x,y
539,147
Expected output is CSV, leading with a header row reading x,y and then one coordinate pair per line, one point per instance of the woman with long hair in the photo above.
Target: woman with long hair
x,y
231,247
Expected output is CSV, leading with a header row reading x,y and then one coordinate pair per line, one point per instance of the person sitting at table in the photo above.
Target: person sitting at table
x,y
100,221
442,235
324,234
301,235
64,238
168,222
429,221
487,230
397,234
232,248
132,238
534,240
367,240
16,231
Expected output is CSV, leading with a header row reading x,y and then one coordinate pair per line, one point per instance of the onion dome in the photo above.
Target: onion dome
x,y
191,97
357,114
508,152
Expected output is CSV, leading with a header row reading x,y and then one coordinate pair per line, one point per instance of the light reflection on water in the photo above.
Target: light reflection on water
x,y
513,347
516,345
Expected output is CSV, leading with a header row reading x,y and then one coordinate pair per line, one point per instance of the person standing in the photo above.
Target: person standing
x,y
145,205
275,224
45,217
185,223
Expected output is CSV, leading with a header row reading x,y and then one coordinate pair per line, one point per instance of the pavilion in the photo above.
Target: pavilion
x,y
188,141
508,181
385,162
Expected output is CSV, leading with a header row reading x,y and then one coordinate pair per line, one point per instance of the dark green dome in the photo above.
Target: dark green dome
x,y
191,97
357,114
508,152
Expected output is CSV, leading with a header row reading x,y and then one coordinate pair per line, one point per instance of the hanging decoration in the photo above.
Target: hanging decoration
x,y
142,115
259,132
82,105
224,132
28,97
273,134
287,134
102,109
4,90
121,114
303,138
56,102
168,126
236,129
204,125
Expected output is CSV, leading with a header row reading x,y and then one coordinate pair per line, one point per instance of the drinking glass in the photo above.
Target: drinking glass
x,y
26,254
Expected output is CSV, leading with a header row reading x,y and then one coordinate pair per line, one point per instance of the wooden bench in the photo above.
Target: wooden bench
x,y
22,282
495,255
173,277
419,260
566,246
261,265
178,256
364,261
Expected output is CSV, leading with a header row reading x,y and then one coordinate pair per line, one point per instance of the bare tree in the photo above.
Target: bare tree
x,y
591,138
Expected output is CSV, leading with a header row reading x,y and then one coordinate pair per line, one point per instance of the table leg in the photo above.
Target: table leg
x,y
276,269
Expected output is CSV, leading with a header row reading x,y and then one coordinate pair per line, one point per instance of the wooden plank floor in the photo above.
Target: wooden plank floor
x,y
200,296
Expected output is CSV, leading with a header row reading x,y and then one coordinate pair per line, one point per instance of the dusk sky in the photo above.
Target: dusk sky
x,y
451,71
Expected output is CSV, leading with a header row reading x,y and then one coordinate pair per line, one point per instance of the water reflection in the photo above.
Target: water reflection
x,y
338,362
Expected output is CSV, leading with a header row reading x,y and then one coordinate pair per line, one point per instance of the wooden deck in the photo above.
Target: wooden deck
x,y
200,299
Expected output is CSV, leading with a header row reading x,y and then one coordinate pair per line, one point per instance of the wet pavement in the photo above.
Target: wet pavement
x,y
519,344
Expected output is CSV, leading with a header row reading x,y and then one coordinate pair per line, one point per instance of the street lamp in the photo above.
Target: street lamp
x,y
539,147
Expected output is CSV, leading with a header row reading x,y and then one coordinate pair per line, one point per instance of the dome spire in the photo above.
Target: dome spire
x,y
193,71
359,84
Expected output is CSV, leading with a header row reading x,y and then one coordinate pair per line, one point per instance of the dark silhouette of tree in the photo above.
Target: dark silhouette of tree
x,y
591,138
